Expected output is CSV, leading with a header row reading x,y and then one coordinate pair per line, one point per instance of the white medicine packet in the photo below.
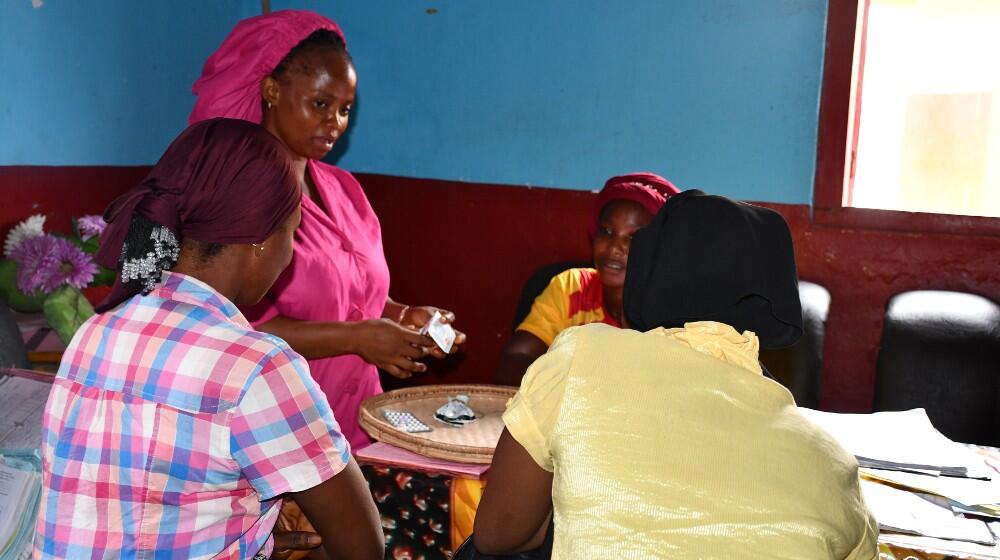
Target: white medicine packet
x,y
442,333
405,421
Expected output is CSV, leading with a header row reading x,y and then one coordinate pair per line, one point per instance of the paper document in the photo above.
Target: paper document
x,y
991,511
921,514
931,547
16,492
966,491
903,440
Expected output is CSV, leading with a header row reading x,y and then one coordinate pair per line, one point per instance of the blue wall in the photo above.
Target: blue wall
x,y
716,94
101,82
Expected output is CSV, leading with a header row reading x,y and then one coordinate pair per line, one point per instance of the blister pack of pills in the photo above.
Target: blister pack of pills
x,y
405,421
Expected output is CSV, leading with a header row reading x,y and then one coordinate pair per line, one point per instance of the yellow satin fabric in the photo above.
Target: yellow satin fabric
x,y
671,444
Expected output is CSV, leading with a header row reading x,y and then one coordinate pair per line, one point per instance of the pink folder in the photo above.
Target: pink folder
x,y
385,455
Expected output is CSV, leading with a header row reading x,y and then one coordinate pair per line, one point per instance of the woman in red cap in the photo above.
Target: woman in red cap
x,y
588,295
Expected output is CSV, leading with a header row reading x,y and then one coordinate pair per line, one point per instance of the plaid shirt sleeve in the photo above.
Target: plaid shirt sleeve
x,y
283,434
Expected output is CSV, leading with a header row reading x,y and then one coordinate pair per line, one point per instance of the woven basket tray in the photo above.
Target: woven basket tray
x,y
472,443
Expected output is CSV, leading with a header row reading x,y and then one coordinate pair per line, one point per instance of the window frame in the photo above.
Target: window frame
x,y
837,128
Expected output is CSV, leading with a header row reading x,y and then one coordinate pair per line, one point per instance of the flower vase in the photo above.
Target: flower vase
x,y
65,310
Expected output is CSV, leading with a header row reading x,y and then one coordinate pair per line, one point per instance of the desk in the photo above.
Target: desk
x,y
434,505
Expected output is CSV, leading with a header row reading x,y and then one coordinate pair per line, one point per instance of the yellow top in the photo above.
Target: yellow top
x,y
671,444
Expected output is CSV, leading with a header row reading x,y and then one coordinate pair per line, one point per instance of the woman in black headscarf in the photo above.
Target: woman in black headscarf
x,y
666,439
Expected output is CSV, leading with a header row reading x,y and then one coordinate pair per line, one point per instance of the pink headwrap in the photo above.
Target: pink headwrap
x,y
229,85
648,189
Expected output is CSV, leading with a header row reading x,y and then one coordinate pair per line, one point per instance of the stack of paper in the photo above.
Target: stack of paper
x,y
915,480
903,441
20,487
22,402
982,510
921,514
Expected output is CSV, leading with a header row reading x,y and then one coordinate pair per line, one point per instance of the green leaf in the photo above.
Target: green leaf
x,y
65,310
15,298
104,277
90,246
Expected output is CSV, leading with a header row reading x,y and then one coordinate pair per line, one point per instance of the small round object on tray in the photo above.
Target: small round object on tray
x,y
472,443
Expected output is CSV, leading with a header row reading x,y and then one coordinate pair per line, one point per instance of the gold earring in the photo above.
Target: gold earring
x,y
268,104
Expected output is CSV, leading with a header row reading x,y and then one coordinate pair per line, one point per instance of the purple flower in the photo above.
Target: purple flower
x,y
73,266
47,263
35,258
90,226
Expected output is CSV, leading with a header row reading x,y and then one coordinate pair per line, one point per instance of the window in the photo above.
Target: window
x,y
910,114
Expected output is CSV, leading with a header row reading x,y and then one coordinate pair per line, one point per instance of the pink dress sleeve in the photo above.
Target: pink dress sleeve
x,y
338,273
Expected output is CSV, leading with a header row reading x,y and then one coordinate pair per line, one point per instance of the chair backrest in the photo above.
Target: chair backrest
x,y
537,283
798,367
12,351
941,351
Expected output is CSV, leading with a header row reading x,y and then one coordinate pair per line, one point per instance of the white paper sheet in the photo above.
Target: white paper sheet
x,y
903,437
15,486
921,514
963,490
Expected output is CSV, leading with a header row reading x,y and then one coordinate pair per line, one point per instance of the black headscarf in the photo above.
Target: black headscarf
x,y
708,258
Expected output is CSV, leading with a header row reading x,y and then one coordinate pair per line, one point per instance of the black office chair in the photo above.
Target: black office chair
x,y
798,367
12,351
537,283
941,351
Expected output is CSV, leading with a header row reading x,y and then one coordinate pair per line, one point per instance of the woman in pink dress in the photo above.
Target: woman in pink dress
x,y
290,71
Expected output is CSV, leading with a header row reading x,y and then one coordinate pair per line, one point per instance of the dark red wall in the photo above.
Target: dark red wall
x,y
61,193
469,247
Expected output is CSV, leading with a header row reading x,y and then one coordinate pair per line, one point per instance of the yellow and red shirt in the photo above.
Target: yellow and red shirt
x,y
574,297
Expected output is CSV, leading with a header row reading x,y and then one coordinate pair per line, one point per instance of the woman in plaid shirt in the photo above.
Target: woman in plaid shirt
x,y
174,429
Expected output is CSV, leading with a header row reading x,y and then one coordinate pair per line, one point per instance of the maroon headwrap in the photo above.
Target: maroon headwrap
x,y
221,181
648,189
